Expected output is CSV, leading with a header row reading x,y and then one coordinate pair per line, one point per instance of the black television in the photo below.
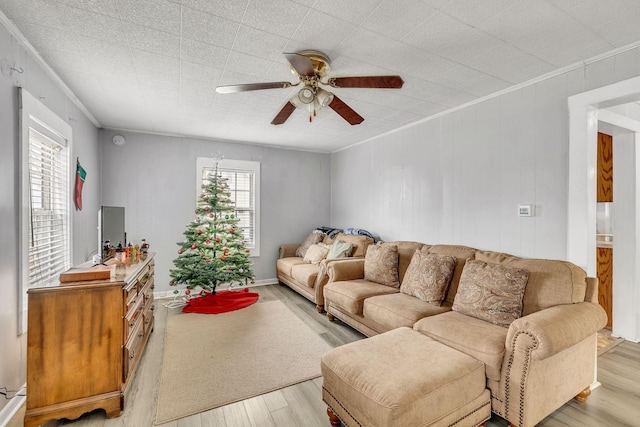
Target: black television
x,y
111,230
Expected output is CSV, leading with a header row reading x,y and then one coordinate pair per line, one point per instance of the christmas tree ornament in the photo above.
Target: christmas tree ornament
x,y
179,251
199,231
187,292
194,246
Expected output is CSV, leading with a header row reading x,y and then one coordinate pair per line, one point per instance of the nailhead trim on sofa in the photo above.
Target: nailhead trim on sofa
x,y
525,371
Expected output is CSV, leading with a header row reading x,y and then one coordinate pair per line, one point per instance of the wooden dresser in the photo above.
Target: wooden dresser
x,y
84,341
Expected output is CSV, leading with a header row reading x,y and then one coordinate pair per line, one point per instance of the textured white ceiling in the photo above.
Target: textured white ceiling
x,y
153,65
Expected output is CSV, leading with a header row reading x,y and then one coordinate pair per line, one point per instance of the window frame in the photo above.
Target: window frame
x,y
35,115
235,165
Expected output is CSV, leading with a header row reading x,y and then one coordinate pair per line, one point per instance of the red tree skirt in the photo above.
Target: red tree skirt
x,y
221,302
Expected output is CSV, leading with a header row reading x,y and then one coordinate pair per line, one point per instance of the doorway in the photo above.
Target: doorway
x,y
585,110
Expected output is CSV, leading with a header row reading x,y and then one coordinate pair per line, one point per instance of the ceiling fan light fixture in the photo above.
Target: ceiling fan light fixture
x,y
306,95
324,97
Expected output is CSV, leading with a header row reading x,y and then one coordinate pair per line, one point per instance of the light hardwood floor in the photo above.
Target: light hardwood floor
x,y
615,403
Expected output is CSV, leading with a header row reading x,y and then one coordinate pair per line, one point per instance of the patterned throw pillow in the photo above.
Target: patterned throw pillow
x,y
316,253
340,249
381,265
491,292
311,239
428,276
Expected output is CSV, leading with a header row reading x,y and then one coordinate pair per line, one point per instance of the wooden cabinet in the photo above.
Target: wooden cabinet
x,y
604,175
84,341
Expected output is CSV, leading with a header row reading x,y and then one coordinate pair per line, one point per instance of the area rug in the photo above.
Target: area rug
x,y
211,361
221,302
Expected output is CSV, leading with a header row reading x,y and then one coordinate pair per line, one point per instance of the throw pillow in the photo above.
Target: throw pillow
x,y
340,249
428,276
491,292
381,265
316,253
311,239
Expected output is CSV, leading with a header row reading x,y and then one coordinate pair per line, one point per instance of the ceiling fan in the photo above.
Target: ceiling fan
x,y
311,66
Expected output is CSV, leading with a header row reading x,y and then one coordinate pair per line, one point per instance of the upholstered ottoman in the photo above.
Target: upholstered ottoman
x,y
403,378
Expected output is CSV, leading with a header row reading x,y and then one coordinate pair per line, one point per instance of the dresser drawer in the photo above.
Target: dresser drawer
x,y
147,313
133,316
133,347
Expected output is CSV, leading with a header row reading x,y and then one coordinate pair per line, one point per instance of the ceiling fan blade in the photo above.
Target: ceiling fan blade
x,y
383,82
284,114
252,86
300,63
345,111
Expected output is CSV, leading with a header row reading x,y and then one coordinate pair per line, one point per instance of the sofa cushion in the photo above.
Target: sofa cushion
x,y
406,248
491,292
462,254
551,282
305,273
428,276
316,253
311,239
475,337
340,249
350,295
284,265
396,310
381,264
360,242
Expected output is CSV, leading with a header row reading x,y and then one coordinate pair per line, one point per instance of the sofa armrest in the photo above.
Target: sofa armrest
x,y
591,294
557,328
347,269
288,250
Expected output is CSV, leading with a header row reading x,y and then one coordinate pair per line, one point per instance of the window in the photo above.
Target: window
x,y
45,210
243,178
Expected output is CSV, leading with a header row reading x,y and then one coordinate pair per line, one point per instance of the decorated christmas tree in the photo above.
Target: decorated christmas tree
x,y
214,251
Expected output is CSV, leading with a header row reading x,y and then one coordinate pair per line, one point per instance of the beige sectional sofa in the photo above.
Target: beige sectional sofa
x,y
308,278
533,365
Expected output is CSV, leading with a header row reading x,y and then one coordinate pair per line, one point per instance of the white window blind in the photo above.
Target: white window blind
x,y
48,222
243,178
45,199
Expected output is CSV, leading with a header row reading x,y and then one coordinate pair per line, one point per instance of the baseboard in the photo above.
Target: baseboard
x,y
13,406
171,294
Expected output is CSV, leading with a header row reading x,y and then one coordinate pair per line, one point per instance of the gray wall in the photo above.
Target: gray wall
x,y
153,177
459,178
85,145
